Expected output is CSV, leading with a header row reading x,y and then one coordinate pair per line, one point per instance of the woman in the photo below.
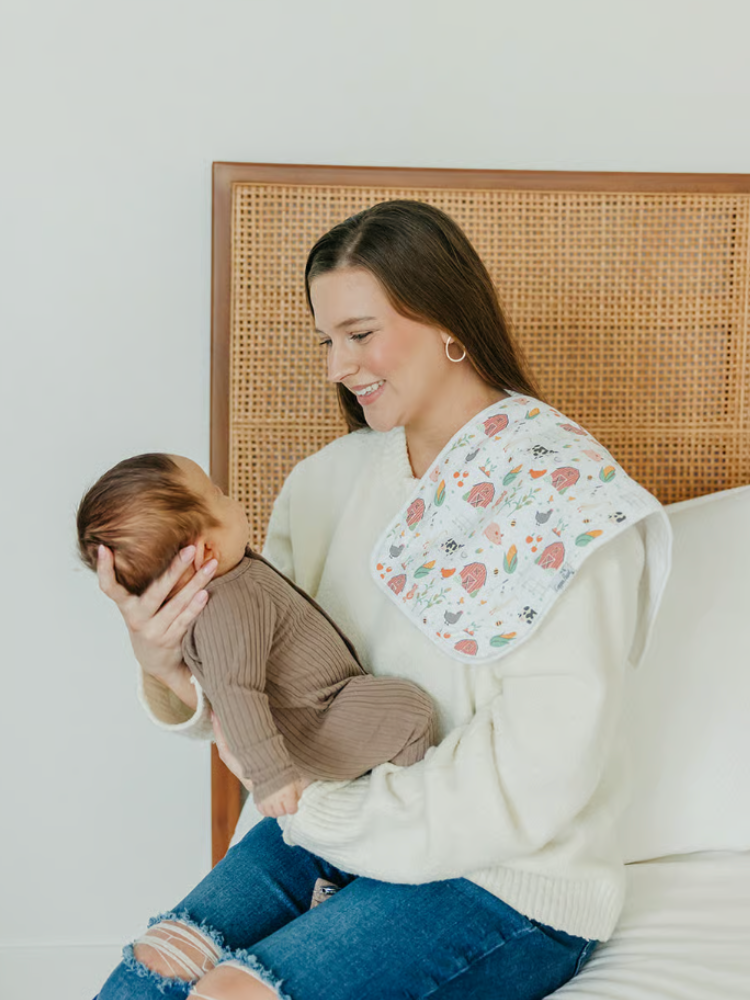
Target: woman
x,y
473,540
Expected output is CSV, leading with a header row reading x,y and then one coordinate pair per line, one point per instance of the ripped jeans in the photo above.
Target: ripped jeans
x,y
448,940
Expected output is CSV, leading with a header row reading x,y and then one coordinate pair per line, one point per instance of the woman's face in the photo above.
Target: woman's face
x,y
395,366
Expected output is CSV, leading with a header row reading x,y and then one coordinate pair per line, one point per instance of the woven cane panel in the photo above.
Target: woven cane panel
x,y
632,309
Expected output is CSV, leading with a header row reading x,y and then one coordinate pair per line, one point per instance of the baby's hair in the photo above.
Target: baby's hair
x,y
145,513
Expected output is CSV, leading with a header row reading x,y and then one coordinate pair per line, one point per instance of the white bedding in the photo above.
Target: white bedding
x,y
684,934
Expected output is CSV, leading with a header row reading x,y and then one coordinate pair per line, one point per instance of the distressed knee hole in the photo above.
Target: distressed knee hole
x,y
231,982
178,950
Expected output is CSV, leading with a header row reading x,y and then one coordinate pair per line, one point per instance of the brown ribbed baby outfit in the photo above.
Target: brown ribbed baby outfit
x,y
288,688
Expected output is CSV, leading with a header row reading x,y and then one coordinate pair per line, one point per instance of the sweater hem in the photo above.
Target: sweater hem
x,y
587,909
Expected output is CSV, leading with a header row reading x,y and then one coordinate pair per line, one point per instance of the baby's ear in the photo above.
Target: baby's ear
x,y
201,544
205,549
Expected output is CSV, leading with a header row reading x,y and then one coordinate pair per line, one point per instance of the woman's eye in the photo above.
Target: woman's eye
x,y
352,336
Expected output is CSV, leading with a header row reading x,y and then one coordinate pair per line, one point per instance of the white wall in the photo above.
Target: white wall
x,y
112,114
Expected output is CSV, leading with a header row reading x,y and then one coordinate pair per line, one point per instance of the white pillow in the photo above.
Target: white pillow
x,y
687,707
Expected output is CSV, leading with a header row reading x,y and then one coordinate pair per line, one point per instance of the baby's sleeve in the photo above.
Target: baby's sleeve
x,y
231,642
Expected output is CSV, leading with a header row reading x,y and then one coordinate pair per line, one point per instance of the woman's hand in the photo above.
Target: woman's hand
x,y
156,631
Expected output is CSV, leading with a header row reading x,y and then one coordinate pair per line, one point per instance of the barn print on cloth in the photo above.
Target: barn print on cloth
x,y
493,533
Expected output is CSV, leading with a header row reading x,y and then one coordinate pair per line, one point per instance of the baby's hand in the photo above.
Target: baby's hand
x,y
284,801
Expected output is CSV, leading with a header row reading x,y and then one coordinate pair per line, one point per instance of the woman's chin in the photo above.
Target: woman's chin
x,y
379,422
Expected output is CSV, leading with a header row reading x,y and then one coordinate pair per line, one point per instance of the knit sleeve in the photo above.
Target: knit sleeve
x,y
229,649
518,774
167,712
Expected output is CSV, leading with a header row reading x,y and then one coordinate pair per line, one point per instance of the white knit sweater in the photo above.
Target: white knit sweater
x,y
522,794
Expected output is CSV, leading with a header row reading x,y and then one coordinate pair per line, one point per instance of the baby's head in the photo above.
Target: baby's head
x,y
147,508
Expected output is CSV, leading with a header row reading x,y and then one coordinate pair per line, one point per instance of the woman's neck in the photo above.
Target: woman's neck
x,y
425,440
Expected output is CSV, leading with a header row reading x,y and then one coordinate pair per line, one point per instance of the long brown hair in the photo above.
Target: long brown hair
x,y
431,273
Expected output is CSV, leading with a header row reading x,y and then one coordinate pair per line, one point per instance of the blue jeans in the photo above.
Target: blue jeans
x,y
448,940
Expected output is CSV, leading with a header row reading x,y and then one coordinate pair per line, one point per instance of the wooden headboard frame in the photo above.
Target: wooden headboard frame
x,y
630,293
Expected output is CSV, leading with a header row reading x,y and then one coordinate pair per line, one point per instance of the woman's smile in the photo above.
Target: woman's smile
x,y
378,354
369,393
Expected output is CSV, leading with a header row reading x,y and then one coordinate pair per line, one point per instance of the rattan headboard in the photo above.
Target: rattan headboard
x,y
630,294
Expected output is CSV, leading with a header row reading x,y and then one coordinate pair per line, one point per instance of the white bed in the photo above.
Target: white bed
x,y
685,930
684,934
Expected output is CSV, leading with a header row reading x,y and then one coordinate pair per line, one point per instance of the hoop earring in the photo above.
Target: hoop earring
x,y
455,361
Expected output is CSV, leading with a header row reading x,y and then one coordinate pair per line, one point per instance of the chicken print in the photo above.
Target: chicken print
x,y
451,617
498,526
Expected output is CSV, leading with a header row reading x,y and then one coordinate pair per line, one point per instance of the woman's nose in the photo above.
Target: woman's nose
x,y
341,363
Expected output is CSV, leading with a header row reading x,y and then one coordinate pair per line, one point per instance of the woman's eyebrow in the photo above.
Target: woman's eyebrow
x,y
349,322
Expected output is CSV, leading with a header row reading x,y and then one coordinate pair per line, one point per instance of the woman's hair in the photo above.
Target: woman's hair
x,y
431,273
144,512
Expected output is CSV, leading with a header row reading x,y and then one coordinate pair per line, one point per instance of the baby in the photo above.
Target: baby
x,y
293,700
